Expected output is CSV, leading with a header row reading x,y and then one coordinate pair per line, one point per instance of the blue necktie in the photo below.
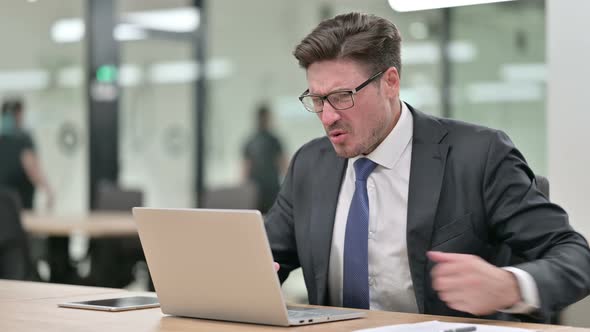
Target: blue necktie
x,y
355,291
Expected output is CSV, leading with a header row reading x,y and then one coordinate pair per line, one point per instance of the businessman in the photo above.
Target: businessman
x,y
397,210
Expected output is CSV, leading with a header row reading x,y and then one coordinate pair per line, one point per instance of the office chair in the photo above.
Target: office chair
x,y
112,260
15,258
241,196
542,185
110,197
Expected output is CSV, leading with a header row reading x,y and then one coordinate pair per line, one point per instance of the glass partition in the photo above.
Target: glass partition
x,y
41,61
157,79
504,84
255,40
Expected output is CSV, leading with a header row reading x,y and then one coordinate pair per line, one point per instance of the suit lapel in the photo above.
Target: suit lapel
x,y
426,174
326,189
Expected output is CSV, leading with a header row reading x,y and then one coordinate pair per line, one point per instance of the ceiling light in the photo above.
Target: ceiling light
x,y
127,32
413,5
72,30
184,19
67,30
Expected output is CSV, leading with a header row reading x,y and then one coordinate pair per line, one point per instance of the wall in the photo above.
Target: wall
x,y
568,117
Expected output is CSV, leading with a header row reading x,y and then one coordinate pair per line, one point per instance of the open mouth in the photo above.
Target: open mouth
x,y
337,136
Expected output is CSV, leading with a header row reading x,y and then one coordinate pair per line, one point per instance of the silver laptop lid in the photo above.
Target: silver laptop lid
x,y
213,264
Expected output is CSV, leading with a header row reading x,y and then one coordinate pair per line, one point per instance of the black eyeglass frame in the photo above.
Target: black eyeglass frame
x,y
326,97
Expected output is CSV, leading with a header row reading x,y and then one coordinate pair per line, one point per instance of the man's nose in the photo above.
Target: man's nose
x,y
329,115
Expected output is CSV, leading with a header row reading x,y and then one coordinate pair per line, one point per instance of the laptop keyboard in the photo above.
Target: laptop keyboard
x,y
295,312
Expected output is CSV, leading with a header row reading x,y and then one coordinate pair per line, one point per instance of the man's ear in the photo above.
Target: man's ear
x,y
391,81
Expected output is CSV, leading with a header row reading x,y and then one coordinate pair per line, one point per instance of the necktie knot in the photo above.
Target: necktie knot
x,y
363,168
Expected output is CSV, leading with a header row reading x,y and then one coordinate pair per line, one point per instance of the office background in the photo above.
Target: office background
x,y
519,66
497,78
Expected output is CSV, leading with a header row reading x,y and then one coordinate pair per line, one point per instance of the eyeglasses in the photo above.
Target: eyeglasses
x,y
340,100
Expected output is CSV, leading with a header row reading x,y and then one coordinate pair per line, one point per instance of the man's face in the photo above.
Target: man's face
x,y
360,129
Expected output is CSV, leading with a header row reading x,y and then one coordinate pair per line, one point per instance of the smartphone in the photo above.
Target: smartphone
x,y
116,304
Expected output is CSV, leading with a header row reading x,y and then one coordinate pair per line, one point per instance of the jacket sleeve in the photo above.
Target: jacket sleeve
x,y
557,257
279,223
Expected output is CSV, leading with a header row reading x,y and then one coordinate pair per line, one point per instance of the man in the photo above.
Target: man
x,y
20,169
397,210
263,160
21,172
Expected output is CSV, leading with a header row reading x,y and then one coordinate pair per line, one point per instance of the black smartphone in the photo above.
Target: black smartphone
x,y
115,304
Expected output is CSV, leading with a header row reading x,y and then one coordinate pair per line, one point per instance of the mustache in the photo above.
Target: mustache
x,y
337,126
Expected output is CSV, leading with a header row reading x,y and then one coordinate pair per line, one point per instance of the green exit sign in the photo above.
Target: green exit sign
x,y
106,74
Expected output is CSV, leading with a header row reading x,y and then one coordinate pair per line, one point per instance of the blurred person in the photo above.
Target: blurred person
x,y
398,210
20,168
20,171
263,160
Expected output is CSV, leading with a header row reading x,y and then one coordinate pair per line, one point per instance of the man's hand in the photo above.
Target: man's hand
x,y
470,284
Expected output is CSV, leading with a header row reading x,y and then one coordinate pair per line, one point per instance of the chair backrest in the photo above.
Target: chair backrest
x,y
15,258
242,196
542,184
112,198
113,259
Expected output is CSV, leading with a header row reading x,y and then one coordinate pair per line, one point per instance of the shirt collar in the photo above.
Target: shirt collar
x,y
390,150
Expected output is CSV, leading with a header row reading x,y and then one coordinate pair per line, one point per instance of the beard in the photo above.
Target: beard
x,y
365,146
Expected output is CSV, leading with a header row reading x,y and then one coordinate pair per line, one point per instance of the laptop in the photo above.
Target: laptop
x,y
217,264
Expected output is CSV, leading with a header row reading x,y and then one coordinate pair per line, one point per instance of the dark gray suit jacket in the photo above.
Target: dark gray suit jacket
x,y
470,191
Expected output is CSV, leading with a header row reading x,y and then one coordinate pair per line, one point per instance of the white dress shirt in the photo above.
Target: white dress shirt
x,y
390,280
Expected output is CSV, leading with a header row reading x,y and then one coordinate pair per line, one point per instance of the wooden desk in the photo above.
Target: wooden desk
x,y
95,224
42,314
22,291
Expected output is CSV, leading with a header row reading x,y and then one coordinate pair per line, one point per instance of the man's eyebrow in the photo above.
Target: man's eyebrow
x,y
329,92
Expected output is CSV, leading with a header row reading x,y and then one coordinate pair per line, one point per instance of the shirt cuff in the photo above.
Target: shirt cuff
x,y
529,293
